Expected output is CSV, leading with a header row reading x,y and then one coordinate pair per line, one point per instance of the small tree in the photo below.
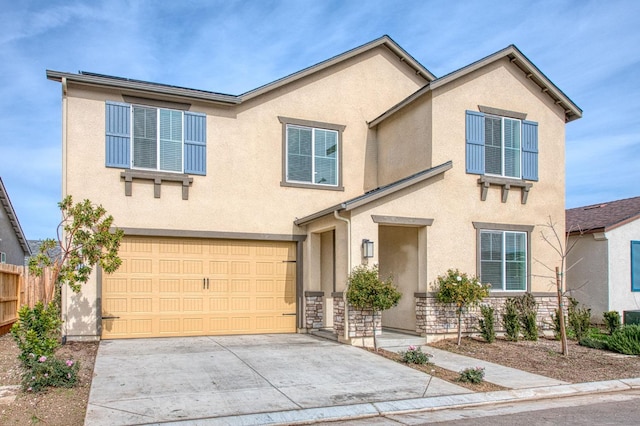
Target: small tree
x,y
459,289
85,239
367,291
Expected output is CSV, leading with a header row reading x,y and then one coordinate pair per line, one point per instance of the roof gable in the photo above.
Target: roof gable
x,y
13,218
602,217
516,57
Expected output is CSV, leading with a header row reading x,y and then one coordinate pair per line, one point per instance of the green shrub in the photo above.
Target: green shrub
x,y
527,315
37,331
626,340
472,375
487,323
46,371
510,319
579,319
555,316
367,291
595,343
612,320
415,356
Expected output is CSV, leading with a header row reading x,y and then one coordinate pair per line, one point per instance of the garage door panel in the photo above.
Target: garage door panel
x,y
175,287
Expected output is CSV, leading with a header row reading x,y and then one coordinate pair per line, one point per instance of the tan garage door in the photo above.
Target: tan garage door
x,y
193,287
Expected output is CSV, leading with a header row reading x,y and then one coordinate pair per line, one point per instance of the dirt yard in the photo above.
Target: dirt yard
x,y
55,407
67,406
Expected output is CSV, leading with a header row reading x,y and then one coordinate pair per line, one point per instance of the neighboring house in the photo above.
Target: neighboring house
x,y
245,214
606,254
14,248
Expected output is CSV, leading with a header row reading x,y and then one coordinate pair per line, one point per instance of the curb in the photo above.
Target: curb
x,y
387,408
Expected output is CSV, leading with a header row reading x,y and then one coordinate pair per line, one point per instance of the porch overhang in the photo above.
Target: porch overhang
x,y
377,193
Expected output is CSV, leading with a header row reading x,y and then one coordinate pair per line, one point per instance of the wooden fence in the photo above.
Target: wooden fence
x,y
18,288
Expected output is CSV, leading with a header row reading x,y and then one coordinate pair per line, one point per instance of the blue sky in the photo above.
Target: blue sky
x,y
589,49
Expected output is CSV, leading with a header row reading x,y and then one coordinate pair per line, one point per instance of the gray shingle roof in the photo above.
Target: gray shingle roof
x,y
602,217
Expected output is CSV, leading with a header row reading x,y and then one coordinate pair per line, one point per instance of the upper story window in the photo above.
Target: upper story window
x,y
312,154
157,139
501,146
635,265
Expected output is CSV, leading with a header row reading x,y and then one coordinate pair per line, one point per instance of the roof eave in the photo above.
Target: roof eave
x,y
144,87
571,110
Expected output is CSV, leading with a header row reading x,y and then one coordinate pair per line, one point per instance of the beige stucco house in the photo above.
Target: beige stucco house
x,y
244,214
604,261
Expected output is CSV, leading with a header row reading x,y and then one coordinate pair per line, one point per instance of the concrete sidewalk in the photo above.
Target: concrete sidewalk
x,y
287,379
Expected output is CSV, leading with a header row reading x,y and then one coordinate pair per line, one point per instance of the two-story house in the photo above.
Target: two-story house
x,y
245,214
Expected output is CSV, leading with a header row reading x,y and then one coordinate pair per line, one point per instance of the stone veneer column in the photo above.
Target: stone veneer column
x,y
362,323
314,309
338,314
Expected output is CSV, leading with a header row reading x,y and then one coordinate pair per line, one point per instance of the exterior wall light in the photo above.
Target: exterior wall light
x,y
367,248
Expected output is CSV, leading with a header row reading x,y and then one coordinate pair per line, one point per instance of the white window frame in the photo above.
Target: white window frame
x,y
503,148
3,257
158,159
503,260
313,155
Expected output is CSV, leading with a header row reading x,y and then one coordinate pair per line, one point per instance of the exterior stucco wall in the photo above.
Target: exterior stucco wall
x,y
456,203
588,280
404,142
621,298
241,192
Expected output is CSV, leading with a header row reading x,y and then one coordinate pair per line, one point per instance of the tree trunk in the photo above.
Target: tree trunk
x,y
459,325
563,330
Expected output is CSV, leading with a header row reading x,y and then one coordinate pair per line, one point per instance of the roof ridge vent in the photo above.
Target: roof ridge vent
x,y
597,206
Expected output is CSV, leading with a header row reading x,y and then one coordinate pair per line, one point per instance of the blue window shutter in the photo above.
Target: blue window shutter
x,y
635,265
195,143
118,137
529,150
475,142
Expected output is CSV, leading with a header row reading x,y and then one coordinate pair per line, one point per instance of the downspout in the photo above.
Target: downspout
x,y
344,294
65,305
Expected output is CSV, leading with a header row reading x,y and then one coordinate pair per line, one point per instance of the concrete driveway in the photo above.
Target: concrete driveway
x,y
243,379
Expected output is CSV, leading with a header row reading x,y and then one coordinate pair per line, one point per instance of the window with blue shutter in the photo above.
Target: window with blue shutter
x,y
635,265
501,146
530,150
118,148
195,143
150,138
475,142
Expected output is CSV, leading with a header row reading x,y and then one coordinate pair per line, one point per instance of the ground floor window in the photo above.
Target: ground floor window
x,y
503,260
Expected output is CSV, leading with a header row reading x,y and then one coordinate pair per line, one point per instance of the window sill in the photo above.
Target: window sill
x,y
157,178
506,184
312,186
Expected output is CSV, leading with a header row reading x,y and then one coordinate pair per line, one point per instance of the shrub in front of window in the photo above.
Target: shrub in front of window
x,y
461,290
612,320
579,319
487,323
626,340
511,319
527,314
